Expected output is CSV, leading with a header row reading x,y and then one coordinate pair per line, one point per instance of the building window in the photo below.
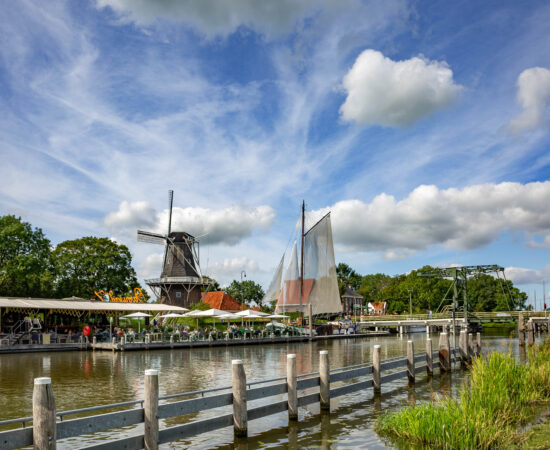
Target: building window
x,y
178,294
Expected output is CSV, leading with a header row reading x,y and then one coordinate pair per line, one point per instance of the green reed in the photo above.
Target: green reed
x,y
486,413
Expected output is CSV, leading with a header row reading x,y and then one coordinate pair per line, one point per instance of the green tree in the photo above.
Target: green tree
x,y
202,306
25,260
487,293
89,264
347,277
247,290
212,286
372,287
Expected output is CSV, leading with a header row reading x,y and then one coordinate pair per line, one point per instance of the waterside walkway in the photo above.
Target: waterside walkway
x,y
167,344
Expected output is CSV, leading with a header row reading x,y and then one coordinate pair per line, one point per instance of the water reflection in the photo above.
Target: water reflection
x,y
82,379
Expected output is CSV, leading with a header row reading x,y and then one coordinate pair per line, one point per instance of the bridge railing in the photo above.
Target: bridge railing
x,y
512,315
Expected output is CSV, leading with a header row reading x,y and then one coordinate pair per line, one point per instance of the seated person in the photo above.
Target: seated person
x,y
53,336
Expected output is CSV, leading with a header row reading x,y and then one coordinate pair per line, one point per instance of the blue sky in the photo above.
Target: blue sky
x,y
422,126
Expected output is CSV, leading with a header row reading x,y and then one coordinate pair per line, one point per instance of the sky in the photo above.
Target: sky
x,y
422,126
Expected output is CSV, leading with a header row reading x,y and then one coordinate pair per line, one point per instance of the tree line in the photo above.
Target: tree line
x,y
485,292
31,267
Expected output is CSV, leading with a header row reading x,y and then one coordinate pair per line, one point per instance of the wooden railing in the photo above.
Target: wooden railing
x,y
50,426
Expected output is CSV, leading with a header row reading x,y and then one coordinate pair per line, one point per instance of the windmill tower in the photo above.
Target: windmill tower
x,y
181,279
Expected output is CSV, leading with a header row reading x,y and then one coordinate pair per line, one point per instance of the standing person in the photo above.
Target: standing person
x,y
27,323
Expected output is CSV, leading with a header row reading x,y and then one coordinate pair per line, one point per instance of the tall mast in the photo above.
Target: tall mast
x,y
302,260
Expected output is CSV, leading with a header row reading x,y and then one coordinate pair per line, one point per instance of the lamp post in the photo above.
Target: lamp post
x,y
243,275
544,297
410,302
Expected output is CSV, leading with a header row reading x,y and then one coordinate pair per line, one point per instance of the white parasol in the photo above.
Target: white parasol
x,y
138,316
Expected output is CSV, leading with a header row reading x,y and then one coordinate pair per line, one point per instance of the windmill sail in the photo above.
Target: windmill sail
x,y
320,285
274,289
320,266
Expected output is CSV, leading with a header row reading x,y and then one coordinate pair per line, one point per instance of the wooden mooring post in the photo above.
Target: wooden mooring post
x,y
530,333
324,379
521,329
291,387
410,361
444,353
471,347
240,414
429,357
478,344
376,369
463,346
44,430
150,409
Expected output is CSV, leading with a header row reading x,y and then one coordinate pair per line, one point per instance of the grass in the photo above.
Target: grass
x,y
508,325
501,396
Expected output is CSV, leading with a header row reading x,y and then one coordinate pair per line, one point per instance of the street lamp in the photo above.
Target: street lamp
x,y
243,275
410,302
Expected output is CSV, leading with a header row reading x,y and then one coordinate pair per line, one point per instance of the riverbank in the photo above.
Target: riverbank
x,y
501,396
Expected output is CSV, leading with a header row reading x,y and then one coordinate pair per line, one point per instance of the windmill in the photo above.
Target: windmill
x,y
181,278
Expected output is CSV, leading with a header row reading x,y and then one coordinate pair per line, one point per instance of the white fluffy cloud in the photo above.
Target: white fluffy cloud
x,y
131,215
456,218
534,97
395,93
214,17
232,267
151,266
226,226
521,275
216,226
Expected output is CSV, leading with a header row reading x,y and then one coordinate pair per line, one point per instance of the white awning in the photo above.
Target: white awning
x,y
84,305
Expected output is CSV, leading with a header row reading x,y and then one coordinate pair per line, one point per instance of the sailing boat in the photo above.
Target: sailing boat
x,y
309,284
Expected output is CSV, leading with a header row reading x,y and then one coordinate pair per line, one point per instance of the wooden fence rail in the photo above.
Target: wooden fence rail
x,y
151,411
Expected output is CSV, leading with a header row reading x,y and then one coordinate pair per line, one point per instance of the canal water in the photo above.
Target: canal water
x,y
82,379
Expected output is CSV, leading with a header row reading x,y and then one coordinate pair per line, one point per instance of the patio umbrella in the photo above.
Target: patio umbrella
x,y
137,315
229,316
251,313
171,316
277,316
213,312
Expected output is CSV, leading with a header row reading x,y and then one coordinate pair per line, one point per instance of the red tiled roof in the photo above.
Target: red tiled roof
x,y
378,305
255,308
221,300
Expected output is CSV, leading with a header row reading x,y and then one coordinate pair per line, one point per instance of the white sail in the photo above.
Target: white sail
x,y
274,289
290,293
320,266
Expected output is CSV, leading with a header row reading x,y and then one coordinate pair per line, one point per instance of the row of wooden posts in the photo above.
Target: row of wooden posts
x,y
530,328
44,410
